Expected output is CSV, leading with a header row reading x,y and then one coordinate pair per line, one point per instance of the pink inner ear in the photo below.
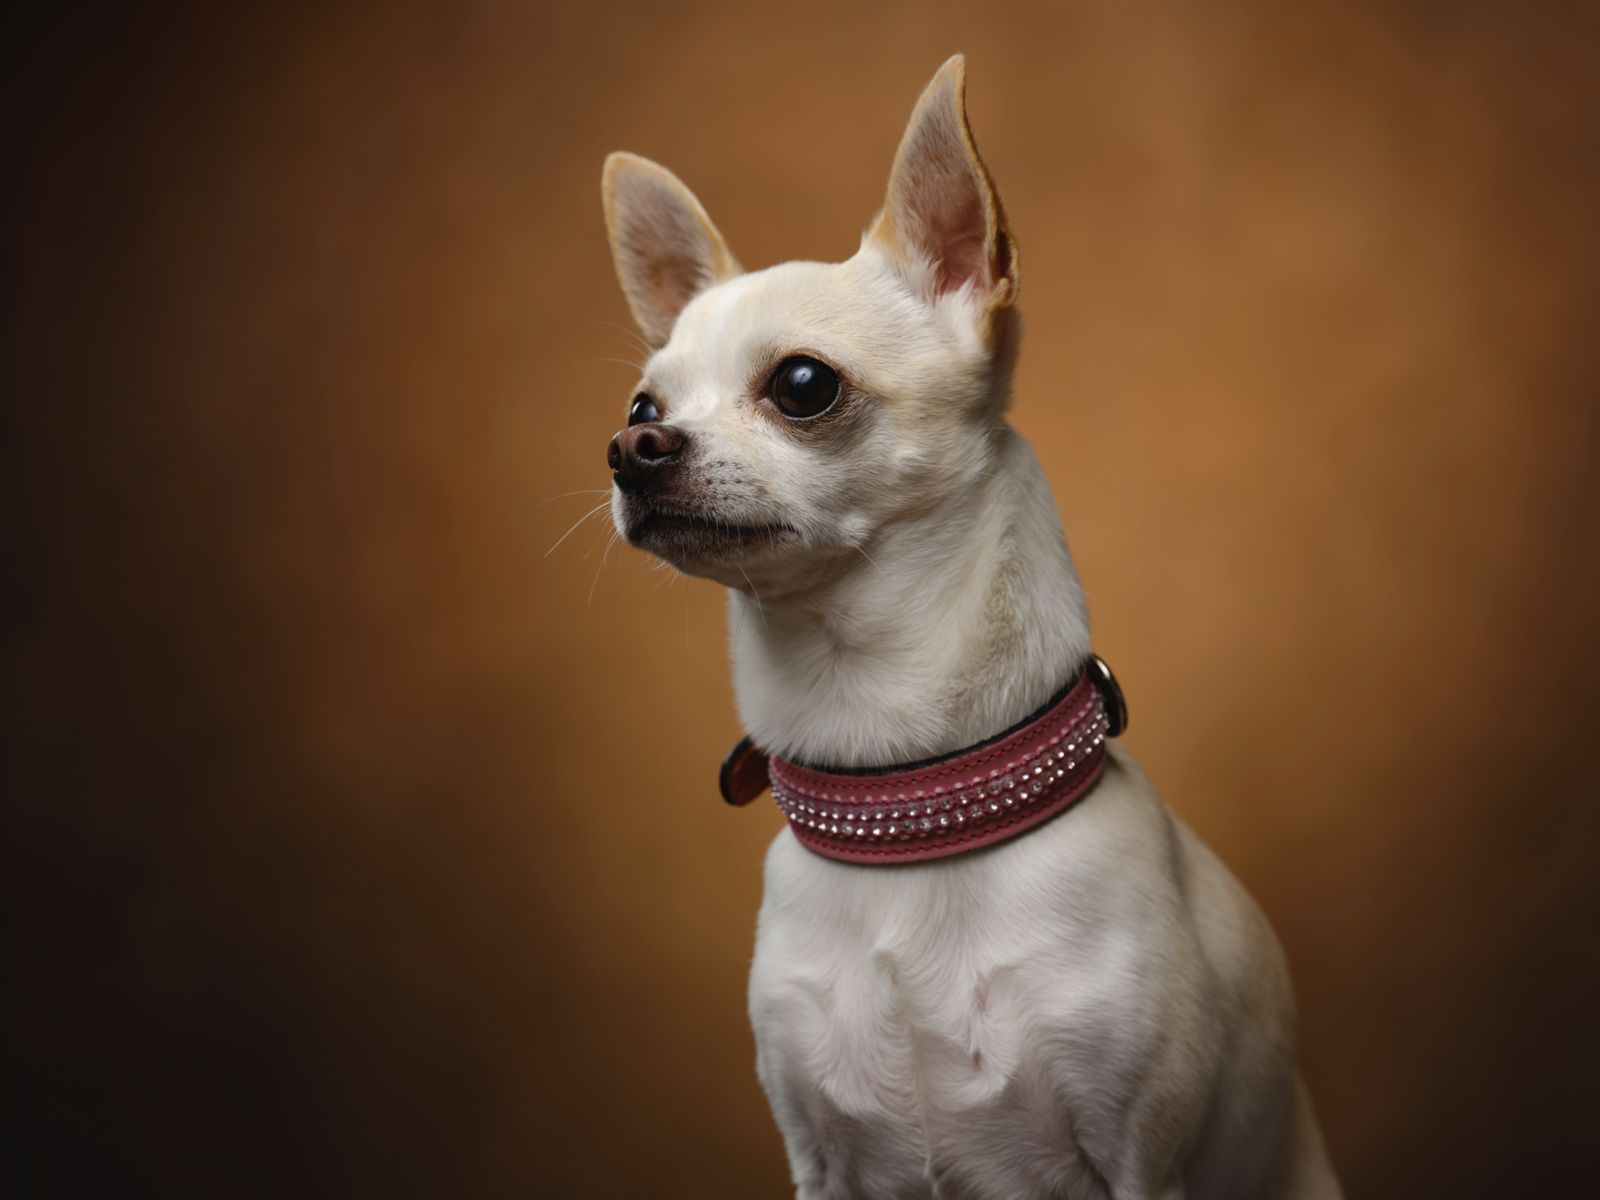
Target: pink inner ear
x,y
939,204
962,259
669,258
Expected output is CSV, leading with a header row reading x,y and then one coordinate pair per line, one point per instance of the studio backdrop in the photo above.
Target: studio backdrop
x,y
360,814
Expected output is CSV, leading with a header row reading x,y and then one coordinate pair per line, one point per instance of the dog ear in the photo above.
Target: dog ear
x,y
665,248
942,216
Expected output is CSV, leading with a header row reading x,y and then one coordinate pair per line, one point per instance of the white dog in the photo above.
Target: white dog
x,y
1025,978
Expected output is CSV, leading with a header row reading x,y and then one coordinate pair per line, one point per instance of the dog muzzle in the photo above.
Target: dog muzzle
x,y
998,789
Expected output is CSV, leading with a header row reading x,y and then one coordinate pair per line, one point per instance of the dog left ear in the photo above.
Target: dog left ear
x,y
665,248
942,213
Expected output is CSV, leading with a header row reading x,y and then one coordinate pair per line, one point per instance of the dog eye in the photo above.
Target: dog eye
x,y
804,387
644,409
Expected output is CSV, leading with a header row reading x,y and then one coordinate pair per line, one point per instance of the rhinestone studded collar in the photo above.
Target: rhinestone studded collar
x,y
998,789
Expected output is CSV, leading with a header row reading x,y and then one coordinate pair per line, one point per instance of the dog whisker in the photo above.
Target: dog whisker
x,y
579,492
611,541
627,362
604,504
631,335
760,608
862,550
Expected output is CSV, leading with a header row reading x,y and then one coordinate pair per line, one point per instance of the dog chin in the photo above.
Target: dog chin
x,y
698,543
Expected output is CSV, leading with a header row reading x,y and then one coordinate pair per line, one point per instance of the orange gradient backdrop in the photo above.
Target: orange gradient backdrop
x,y
360,847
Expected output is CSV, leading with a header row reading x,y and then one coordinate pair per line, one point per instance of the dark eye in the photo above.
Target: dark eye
x,y
644,409
804,387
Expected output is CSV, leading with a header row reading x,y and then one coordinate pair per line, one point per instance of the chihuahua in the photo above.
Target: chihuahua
x,y
1026,978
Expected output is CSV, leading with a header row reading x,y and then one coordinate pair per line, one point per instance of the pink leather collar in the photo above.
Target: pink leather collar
x,y
993,791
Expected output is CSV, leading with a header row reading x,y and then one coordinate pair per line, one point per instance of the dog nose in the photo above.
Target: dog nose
x,y
639,451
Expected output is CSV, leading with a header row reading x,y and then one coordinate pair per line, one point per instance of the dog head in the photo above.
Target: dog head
x,y
788,416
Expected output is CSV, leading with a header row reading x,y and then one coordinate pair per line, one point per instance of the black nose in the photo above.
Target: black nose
x,y
637,454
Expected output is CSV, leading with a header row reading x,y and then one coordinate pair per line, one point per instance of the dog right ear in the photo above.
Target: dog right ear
x,y
665,248
942,216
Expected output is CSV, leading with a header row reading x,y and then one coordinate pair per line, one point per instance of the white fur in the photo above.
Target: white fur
x,y
1094,1009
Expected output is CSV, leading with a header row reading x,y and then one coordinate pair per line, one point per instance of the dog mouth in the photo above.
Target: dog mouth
x,y
680,533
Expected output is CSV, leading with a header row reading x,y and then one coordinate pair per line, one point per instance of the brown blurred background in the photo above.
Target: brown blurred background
x,y
356,847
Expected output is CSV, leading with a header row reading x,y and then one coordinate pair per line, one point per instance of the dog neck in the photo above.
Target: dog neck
x,y
951,627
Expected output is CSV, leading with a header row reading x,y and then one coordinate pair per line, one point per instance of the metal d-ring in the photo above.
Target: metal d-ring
x,y
1116,705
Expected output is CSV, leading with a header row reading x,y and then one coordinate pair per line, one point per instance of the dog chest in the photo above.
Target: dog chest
x,y
979,1020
